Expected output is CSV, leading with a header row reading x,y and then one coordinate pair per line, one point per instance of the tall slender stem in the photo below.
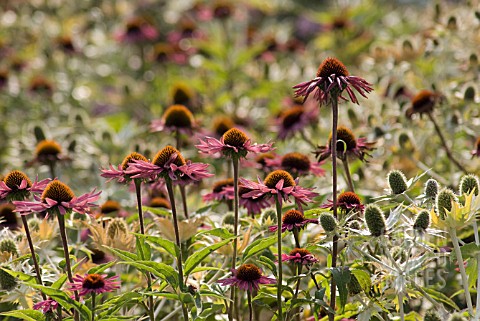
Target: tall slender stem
x,y
279,250
250,307
296,236
93,306
138,192
235,230
298,271
51,166
34,257
177,241
182,188
458,253
66,252
333,286
347,174
477,242
400,305
444,144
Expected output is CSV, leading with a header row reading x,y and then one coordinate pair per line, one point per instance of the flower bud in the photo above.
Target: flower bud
x,y
422,221
375,221
7,282
9,246
431,188
355,225
469,183
270,216
229,219
431,315
443,202
328,222
397,181
353,286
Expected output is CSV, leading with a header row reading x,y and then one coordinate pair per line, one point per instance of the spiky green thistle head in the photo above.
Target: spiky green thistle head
x,y
229,219
375,220
9,246
469,183
397,182
443,202
353,286
269,216
431,315
431,188
7,281
328,222
422,221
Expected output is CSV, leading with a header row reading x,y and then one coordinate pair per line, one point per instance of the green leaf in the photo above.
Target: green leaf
x,y
268,263
363,278
161,270
143,249
469,250
197,257
59,283
124,255
440,297
222,233
100,268
21,276
341,276
258,246
157,211
165,244
29,315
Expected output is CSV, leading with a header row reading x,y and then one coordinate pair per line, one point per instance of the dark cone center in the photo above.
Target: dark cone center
x,y
93,282
274,177
332,66
235,137
296,161
15,178
164,155
58,191
293,217
248,272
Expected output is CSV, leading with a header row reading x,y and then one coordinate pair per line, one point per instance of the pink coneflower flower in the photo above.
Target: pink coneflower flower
x,y
299,255
48,152
247,277
169,164
293,219
346,201
46,306
93,283
295,120
17,186
234,143
138,29
119,173
347,145
332,79
222,191
252,205
297,164
58,198
177,118
423,103
279,183
476,151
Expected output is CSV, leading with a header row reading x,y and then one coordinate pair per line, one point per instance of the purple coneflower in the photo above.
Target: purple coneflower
x,y
46,306
299,255
138,29
297,164
291,220
332,79
278,183
119,173
347,145
422,103
222,191
247,277
58,198
346,201
253,205
233,143
177,118
295,120
17,186
93,283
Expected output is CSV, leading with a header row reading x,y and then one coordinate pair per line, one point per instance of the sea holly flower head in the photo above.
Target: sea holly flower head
x,y
93,283
332,80
16,186
299,255
58,198
293,219
247,277
169,163
455,215
233,143
177,118
119,172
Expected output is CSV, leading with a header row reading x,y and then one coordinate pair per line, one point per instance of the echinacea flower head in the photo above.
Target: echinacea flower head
x,y
347,145
293,219
295,119
182,94
93,283
233,143
278,183
159,202
299,255
16,186
169,163
48,151
476,151
110,206
332,80
46,306
177,118
252,205
58,198
346,201
422,103
41,85
247,277
222,191
119,173
297,164
138,29
222,124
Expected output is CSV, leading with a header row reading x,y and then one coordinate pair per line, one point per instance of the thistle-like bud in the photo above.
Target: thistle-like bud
x,y
422,221
431,188
229,219
355,225
397,181
375,221
353,286
9,246
444,201
457,317
469,183
7,282
270,216
328,222
117,227
431,315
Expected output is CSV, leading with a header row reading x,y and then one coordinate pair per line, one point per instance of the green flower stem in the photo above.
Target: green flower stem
x,y
279,250
298,271
250,307
477,242
400,304
66,252
347,174
182,188
296,236
458,253
235,161
34,257
333,286
93,306
177,241
138,192
51,166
